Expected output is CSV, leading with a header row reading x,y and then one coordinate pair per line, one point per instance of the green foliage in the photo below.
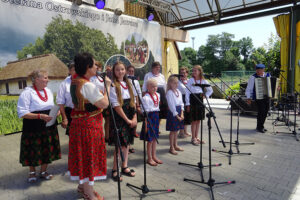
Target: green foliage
x,y
222,53
235,88
8,117
65,39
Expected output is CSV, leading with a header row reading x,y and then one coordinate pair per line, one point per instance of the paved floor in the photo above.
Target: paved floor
x,y
270,173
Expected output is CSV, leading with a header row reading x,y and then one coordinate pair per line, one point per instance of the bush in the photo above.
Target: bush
x,y
235,88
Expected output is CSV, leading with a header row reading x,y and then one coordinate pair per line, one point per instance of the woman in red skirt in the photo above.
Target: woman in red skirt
x,y
87,152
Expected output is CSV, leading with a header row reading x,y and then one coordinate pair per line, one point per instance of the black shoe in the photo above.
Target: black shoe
x,y
261,130
265,130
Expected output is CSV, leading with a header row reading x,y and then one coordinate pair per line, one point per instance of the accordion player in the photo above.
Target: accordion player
x,y
257,90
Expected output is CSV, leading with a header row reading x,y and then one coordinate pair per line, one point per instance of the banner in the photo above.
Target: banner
x,y
41,26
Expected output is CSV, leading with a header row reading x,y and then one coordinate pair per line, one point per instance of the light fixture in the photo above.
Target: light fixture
x,y
77,2
118,12
150,13
100,4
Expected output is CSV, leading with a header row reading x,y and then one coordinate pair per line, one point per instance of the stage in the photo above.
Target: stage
x,y
271,172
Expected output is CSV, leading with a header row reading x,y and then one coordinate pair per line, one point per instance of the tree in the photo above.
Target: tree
x,y
65,40
189,57
246,48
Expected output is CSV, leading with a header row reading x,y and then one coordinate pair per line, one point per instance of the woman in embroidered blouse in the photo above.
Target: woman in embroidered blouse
x,y
39,144
122,98
64,99
87,163
161,88
195,108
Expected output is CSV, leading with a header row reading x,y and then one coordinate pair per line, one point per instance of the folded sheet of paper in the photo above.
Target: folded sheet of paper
x,y
53,113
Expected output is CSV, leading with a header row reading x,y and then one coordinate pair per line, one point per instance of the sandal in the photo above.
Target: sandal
x,y
87,197
153,163
45,175
131,150
32,177
195,142
80,190
158,161
178,149
130,173
200,141
115,178
172,151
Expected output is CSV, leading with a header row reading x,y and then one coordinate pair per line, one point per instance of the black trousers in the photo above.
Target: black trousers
x,y
262,112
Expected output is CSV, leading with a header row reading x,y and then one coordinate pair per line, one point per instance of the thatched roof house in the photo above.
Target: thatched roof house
x,y
14,76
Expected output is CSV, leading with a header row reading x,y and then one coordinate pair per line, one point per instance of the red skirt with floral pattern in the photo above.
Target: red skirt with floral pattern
x,y
87,151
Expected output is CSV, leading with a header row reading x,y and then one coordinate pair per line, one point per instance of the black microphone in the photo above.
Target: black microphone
x,y
278,70
209,76
201,85
132,77
101,74
177,75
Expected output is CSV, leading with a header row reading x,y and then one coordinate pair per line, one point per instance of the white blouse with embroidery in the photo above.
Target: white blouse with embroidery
x,y
63,95
29,101
149,103
174,99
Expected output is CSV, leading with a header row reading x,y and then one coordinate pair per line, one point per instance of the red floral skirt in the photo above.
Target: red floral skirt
x,y
87,151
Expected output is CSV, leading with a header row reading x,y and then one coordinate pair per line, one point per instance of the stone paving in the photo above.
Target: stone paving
x,y
270,173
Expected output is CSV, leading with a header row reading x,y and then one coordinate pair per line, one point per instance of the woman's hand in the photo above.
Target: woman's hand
x,y
64,123
45,117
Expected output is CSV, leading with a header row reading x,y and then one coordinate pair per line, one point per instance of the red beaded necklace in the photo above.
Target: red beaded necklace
x,y
39,94
124,87
154,101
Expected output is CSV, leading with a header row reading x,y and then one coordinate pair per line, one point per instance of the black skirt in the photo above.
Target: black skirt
x,y
163,104
126,134
68,111
187,115
197,110
39,144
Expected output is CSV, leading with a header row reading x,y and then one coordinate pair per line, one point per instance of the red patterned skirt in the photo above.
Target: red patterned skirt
x,y
87,152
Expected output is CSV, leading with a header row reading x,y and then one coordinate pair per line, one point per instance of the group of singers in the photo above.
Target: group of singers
x,y
84,100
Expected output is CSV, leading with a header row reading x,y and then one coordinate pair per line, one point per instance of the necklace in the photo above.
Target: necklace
x,y
39,94
154,101
176,93
124,87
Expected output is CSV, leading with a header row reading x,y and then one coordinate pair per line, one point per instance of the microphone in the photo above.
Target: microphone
x,y
278,70
201,85
101,74
132,77
209,76
177,75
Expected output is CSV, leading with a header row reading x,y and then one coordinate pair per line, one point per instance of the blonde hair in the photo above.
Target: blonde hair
x,y
151,81
184,68
199,68
171,79
118,87
36,74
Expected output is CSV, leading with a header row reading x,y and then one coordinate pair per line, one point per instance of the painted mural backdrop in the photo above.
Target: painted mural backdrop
x,y
35,27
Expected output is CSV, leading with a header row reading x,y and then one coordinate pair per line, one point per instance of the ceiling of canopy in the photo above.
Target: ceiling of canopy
x,y
192,14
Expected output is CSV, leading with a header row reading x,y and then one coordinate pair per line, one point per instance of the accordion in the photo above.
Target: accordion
x,y
267,87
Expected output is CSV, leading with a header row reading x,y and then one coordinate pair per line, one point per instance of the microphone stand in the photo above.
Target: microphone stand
x,y
117,141
211,182
236,143
144,188
294,103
